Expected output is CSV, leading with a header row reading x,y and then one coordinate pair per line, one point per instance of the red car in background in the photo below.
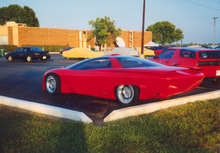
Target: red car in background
x,y
208,60
66,49
160,49
126,79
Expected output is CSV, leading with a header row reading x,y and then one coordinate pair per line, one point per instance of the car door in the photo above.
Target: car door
x,y
187,58
25,53
89,77
165,57
17,53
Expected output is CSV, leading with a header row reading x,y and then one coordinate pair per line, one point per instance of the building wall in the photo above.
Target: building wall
x,y
47,36
137,38
21,35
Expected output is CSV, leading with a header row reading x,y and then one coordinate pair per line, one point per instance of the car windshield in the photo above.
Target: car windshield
x,y
90,64
130,62
209,54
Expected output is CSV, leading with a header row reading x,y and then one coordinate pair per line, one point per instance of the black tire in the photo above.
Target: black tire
x,y
53,84
29,59
127,94
10,58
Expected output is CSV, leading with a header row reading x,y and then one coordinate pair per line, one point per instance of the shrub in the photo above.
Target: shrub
x,y
8,48
50,48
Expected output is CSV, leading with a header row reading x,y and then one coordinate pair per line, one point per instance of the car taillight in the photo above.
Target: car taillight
x,y
211,63
36,53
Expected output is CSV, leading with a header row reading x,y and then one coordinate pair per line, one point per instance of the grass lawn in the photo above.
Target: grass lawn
x,y
193,127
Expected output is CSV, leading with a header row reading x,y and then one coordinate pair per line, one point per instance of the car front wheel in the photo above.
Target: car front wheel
x,y
52,83
127,94
10,58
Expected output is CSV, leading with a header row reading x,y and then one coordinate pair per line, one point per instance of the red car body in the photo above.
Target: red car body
x,y
163,48
208,60
151,79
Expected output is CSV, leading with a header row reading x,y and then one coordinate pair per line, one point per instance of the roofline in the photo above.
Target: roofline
x,y
195,48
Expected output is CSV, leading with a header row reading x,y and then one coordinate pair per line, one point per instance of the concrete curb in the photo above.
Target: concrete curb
x,y
149,108
45,109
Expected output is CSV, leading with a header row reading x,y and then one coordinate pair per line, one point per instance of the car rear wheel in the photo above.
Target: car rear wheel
x,y
52,83
29,59
10,58
126,94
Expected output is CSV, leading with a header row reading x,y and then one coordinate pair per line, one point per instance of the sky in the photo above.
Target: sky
x,y
193,17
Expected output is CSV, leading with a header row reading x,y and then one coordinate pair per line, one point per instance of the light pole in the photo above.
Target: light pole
x,y
142,41
214,30
182,40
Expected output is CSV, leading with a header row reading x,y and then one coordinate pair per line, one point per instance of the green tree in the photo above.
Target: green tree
x,y
18,14
104,31
165,32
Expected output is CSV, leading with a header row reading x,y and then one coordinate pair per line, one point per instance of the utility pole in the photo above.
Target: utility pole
x,y
214,31
142,42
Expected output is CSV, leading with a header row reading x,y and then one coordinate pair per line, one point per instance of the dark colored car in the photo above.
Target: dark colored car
x,y
208,60
28,54
66,49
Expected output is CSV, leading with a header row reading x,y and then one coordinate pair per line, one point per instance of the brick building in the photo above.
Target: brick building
x,y
19,34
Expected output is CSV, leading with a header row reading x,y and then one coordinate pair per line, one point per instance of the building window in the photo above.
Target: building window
x,y
131,39
84,34
3,40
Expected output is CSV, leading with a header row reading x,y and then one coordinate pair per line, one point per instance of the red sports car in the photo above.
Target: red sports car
x,y
206,59
122,78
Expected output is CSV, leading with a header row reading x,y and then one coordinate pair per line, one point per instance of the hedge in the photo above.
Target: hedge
x,y
50,48
8,48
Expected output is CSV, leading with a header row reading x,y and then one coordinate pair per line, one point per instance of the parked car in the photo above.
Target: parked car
x,y
123,51
208,60
147,52
218,47
126,79
160,49
66,49
88,53
81,53
28,54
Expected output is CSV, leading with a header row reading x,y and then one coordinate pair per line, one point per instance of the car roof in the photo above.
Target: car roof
x,y
194,48
29,47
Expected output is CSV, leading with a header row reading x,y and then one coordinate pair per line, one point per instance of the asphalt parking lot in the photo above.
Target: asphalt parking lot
x,y
23,80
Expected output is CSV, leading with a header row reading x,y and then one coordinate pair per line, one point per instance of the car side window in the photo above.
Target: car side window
x,y
26,50
187,54
35,49
167,54
19,50
131,62
100,63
